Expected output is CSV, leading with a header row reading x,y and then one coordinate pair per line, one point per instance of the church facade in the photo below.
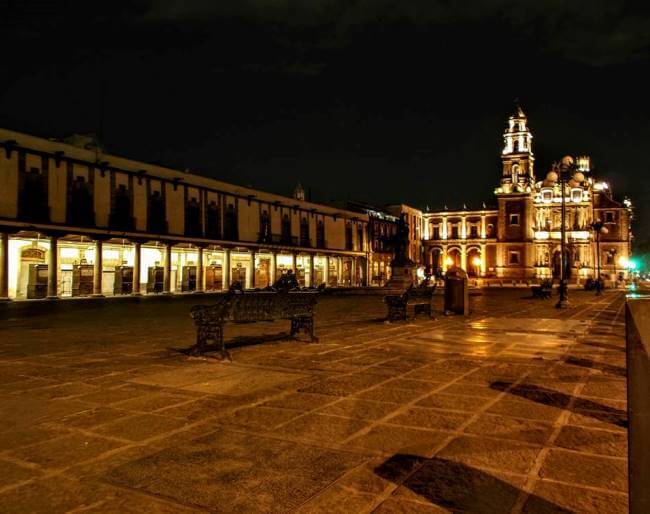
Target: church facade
x,y
520,238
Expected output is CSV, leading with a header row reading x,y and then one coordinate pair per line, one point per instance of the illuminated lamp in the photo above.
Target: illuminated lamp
x,y
449,261
476,261
622,261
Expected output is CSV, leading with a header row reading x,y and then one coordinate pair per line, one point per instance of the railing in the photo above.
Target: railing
x,y
637,326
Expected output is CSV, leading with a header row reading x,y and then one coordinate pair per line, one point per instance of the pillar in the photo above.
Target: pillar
x,y
294,265
463,227
251,280
483,260
273,267
98,268
4,266
167,276
444,259
52,269
353,271
339,270
226,269
137,248
326,271
443,228
483,232
463,257
311,270
199,271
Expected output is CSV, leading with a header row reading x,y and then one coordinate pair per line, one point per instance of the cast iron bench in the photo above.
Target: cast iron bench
x,y
414,301
542,291
247,307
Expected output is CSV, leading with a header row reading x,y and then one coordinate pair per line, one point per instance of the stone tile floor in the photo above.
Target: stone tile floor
x,y
518,408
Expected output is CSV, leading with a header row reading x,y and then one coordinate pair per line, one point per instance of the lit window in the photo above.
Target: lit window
x,y
514,219
576,195
513,258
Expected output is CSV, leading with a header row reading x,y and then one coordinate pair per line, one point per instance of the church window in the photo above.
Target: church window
x,y
514,219
515,145
609,217
513,258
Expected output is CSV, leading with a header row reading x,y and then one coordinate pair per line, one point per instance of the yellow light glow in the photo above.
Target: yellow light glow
x,y
476,261
69,253
449,261
622,261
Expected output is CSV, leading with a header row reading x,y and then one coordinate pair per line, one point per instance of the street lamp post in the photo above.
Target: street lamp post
x,y
598,227
563,170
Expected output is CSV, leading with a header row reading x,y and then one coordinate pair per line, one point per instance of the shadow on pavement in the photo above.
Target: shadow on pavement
x,y
606,368
553,398
456,486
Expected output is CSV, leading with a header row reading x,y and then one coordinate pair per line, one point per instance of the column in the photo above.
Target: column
x,y
294,266
4,266
199,271
463,227
52,269
273,267
483,233
353,271
443,228
339,275
444,258
226,269
167,276
137,247
463,257
311,270
483,260
251,280
98,268
326,271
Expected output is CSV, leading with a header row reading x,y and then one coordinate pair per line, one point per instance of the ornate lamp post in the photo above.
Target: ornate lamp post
x,y
564,170
599,228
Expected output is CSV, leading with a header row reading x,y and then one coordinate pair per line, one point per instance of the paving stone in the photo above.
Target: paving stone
x,y
359,408
322,428
11,473
140,427
65,451
504,427
603,442
392,439
590,470
453,402
434,419
508,456
552,498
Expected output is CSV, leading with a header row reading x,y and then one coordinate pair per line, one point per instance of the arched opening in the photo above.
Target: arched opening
x,y
557,264
436,262
453,258
474,263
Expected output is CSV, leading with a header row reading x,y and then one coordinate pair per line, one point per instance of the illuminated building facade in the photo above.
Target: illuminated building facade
x,y
75,221
520,239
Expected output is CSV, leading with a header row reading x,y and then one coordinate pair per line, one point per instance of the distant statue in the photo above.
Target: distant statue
x,y
400,243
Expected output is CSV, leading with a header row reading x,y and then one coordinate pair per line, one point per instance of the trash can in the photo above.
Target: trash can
x,y
456,292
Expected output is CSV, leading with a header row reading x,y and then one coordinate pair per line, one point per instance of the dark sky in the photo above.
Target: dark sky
x,y
376,100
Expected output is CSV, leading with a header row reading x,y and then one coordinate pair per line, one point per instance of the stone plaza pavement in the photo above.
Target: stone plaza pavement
x,y
518,408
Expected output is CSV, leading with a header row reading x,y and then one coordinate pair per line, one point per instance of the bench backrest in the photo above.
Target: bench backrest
x,y
257,306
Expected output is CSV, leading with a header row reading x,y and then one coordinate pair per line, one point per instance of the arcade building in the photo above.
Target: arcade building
x,y
75,221
520,238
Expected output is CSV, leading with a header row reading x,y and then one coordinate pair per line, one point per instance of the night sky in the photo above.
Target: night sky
x,y
384,101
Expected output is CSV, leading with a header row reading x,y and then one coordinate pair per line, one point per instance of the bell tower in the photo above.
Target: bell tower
x,y
517,155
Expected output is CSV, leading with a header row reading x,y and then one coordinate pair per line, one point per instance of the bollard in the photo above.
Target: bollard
x,y
456,292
